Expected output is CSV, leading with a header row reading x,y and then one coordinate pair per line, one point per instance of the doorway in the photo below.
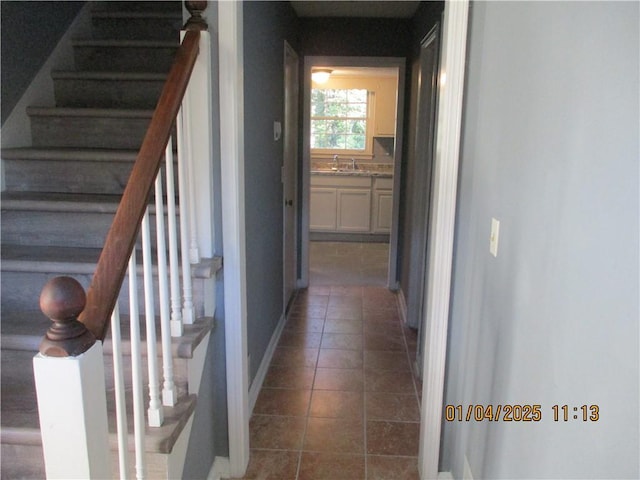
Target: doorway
x,y
351,166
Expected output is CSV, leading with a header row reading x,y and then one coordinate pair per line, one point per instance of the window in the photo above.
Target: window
x,y
339,119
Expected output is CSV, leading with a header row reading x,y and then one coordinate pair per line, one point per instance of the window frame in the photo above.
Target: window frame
x,y
368,134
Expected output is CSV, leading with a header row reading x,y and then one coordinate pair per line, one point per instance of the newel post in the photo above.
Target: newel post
x,y
69,377
196,145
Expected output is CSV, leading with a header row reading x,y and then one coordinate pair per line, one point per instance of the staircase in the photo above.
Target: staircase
x,y
61,195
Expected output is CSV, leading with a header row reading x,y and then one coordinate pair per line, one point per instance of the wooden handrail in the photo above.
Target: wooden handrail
x,y
121,238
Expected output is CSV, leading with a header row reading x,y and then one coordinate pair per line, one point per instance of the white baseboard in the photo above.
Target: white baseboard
x,y
402,302
220,468
256,385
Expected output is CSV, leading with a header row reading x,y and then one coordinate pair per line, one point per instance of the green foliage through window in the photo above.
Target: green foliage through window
x,y
338,119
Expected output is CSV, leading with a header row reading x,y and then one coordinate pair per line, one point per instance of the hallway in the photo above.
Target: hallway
x,y
339,400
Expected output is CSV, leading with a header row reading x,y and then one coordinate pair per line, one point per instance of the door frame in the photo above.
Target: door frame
x,y
336,61
442,223
290,53
416,306
449,116
231,88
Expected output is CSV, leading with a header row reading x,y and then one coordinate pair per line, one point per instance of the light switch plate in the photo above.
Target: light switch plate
x,y
495,234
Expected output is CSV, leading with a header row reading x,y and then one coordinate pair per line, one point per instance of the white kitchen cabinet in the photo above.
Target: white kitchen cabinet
x,y
385,108
354,210
350,204
323,209
382,205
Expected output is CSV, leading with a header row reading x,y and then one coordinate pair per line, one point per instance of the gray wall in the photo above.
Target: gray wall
x,y
30,31
550,148
358,37
266,26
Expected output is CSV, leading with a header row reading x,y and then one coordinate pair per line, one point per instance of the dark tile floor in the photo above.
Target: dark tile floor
x,y
339,400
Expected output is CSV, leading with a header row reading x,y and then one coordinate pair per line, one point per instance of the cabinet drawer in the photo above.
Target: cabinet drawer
x,y
337,181
383,183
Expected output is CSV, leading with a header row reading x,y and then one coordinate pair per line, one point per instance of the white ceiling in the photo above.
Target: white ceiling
x,y
369,9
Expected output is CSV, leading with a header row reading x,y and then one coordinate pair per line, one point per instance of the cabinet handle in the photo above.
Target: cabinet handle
x,y
288,203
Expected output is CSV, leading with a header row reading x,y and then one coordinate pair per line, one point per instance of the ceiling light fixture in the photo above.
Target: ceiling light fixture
x,y
321,75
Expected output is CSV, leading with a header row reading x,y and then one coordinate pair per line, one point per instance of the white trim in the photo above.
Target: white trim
x,y
219,469
233,227
445,179
258,380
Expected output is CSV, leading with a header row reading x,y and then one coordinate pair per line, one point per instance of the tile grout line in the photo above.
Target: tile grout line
x,y
308,415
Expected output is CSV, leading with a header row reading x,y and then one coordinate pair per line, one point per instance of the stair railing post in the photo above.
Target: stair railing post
x,y
70,387
198,110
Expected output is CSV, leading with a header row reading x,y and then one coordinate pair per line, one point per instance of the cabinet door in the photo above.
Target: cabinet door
x,y
382,209
322,209
385,109
354,210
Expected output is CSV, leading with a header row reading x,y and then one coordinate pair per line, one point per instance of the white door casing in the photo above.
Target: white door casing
x,y
445,181
289,173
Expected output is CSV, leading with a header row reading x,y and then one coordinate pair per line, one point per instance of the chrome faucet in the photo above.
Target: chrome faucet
x,y
353,164
336,163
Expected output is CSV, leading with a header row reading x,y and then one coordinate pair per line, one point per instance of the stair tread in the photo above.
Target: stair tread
x,y
134,14
55,202
91,42
106,75
89,154
32,256
76,260
44,111
24,331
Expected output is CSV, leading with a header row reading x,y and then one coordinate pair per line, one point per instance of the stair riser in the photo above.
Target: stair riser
x,y
68,176
124,59
88,132
137,28
21,291
107,93
27,462
62,229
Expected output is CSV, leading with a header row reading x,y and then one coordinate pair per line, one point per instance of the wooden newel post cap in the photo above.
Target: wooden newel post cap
x,y
195,8
62,299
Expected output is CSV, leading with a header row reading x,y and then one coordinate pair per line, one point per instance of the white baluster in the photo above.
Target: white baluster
x,y
176,312
188,315
169,394
121,407
154,412
136,369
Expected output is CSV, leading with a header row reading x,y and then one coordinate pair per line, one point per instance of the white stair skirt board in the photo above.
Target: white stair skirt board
x,y
256,385
219,469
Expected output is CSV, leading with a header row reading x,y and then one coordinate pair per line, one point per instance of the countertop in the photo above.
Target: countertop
x,y
351,173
